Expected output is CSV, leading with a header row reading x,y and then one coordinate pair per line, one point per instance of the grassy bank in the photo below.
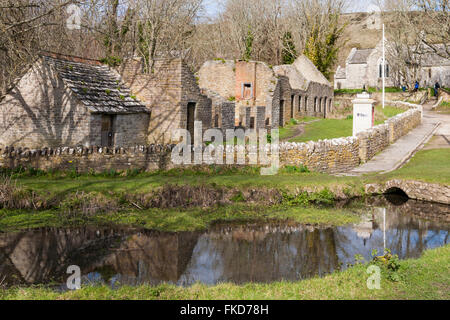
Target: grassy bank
x,y
174,220
193,199
427,165
424,278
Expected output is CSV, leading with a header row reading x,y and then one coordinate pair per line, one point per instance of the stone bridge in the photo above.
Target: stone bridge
x,y
418,190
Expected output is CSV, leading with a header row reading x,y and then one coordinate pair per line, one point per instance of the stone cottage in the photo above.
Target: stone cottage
x,y
171,93
265,96
68,101
364,67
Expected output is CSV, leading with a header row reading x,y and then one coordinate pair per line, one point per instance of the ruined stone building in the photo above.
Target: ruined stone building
x,y
363,67
171,93
71,102
265,96
309,92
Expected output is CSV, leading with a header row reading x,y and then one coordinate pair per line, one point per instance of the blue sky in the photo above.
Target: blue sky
x,y
213,7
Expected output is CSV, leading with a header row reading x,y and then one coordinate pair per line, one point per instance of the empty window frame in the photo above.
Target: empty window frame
x,y
247,90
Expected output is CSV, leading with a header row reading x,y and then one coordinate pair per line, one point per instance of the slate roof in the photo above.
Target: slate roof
x,y
360,56
98,87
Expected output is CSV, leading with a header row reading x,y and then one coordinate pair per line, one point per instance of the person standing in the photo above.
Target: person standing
x,y
437,86
416,86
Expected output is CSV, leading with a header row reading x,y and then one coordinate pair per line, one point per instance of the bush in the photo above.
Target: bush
x,y
296,169
389,263
13,196
111,61
88,204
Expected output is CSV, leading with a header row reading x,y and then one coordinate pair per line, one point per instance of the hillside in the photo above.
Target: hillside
x,y
363,32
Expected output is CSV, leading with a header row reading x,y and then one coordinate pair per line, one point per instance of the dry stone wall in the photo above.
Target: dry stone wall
x,y
332,156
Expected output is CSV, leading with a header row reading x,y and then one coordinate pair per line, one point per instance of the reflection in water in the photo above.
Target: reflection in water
x,y
239,254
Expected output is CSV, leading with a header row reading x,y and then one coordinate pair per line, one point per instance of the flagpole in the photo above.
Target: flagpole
x,y
384,69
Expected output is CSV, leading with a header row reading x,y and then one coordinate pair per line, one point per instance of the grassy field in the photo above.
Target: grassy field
x,y
336,128
424,278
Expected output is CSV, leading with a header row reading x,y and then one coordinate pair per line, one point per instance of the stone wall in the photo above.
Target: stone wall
x,y
414,189
83,159
281,89
444,94
337,155
260,122
130,129
166,91
343,105
227,112
41,111
332,156
218,76
344,154
222,111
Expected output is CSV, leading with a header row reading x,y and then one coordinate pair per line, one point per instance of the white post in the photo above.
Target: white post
x,y
384,69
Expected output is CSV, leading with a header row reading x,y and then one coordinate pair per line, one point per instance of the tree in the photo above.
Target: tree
x,y
248,45
28,27
265,20
289,53
164,26
415,29
320,30
436,32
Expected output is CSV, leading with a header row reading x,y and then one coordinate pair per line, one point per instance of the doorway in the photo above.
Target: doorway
x,y
190,122
282,103
107,132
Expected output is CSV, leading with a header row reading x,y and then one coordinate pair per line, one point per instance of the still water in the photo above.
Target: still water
x,y
225,253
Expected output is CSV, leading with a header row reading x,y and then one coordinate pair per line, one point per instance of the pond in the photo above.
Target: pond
x,y
256,252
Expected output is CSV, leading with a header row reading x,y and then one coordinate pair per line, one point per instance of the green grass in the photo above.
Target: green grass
x,y
389,111
370,90
338,128
326,129
426,165
289,129
381,115
175,220
425,278
145,183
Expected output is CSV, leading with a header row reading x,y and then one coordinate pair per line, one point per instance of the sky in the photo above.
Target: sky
x,y
213,7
